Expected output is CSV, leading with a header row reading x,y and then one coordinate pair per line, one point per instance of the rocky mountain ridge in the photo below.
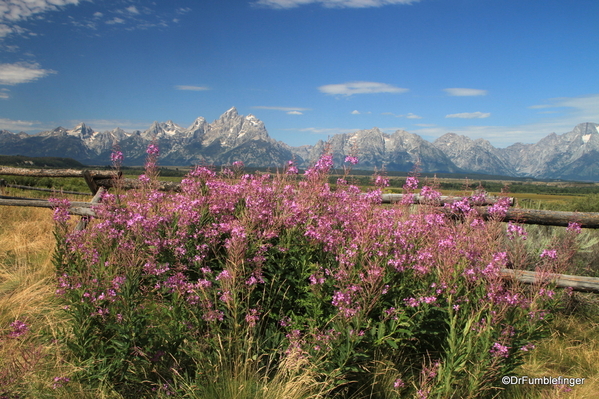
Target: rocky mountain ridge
x,y
569,156
233,137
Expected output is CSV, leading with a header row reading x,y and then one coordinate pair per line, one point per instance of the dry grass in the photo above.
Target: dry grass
x,y
29,363
571,351
26,272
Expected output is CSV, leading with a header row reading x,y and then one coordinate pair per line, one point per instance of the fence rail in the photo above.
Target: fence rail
x,y
588,220
96,174
48,190
577,283
76,208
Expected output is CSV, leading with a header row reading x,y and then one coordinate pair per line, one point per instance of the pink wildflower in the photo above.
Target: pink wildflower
x,y
152,149
399,384
411,183
549,253
19,328
59,382
499,350
61,210
381,181
351,159
575,227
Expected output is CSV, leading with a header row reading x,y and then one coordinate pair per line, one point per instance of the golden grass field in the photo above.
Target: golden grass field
x,y
27,294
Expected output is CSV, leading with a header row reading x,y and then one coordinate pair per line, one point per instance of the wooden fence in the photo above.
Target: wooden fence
x,y
99,181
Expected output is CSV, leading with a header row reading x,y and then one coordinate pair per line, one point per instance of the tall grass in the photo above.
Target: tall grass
x,y
26,292
32,361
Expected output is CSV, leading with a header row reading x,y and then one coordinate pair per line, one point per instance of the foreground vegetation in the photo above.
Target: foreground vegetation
x,y
273,286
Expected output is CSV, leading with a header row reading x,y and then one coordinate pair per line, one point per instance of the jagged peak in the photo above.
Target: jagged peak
x,y
231,112
197,123
587,128
82,129
452,137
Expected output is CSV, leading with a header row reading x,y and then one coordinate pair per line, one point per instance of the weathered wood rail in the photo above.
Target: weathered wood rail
x,y
90,176
589,220
130,184
47,190
577,283
96,174
76,207
420,200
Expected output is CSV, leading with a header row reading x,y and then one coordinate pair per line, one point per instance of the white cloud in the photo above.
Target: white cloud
x,y
289,110
355,112
408,116
462,92
5,30
4,94
326,131
392,114
132,10
17,10
331,3
470,115
192,88
98,14
578,109
12,74
542,106
101,125
115,20
15,126
350,88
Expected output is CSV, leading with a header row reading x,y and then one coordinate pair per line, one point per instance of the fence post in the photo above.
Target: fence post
x,y
90,182
82,224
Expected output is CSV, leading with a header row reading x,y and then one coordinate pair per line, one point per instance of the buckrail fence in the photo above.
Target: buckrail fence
x,y
100,181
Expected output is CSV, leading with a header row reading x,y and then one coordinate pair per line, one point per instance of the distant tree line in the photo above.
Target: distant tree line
x,y
22,161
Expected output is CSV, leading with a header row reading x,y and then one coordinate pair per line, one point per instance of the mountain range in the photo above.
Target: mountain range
x,y
233,137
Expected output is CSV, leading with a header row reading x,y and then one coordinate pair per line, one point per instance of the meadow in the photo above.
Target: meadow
x,y
288,285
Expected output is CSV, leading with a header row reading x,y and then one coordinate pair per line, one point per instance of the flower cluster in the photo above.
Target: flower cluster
x,y
351,159
59,382
499,350
516,230
549,253
19,328
153,150
116,157
411,183
61,209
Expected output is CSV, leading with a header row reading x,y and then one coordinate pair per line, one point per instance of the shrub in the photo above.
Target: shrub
x,y
244,283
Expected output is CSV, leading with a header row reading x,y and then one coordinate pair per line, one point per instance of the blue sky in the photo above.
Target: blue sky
x,y
505,70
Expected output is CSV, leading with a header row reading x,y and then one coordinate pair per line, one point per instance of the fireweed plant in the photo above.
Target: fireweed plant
x,y
169,293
